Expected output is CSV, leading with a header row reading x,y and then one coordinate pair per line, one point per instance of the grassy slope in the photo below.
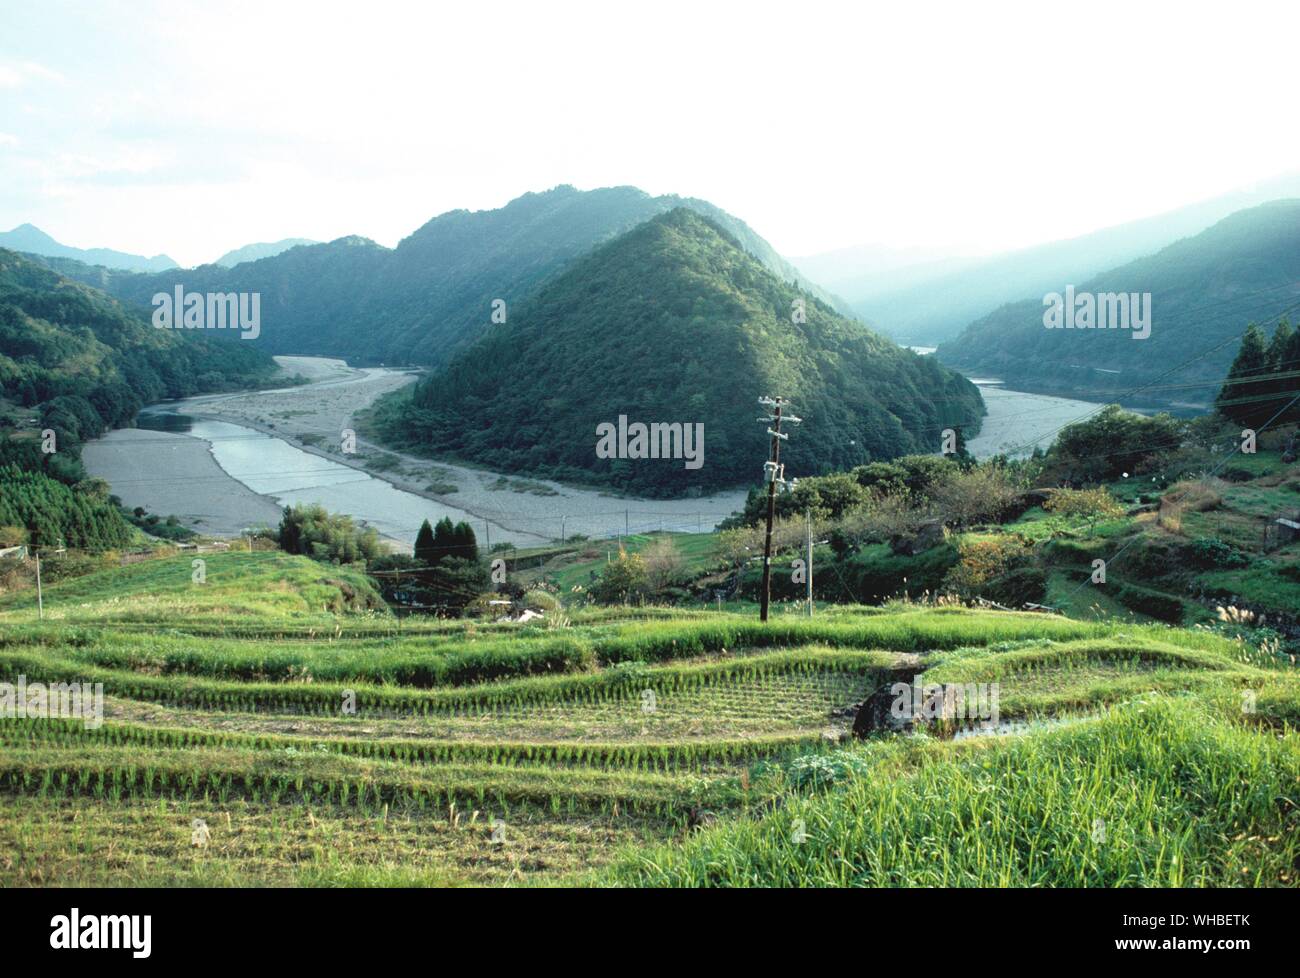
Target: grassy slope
x,y
235,718
250,587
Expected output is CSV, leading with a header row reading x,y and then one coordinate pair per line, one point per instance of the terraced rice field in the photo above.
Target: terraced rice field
x,y
647,746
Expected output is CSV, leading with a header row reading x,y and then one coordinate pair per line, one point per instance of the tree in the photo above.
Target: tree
x,y
621,580
424,546
1111,443
664,563
1239,397
464,543
1091,505
312,531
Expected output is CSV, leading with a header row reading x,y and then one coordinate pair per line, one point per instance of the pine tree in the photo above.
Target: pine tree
x,y
444,541
1277,347
1236,399
1288,362
466,544
424,547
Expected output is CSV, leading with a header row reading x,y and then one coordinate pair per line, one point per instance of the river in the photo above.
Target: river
x,y
1018,422
222,465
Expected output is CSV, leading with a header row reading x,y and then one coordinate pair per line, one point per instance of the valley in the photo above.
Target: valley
x,y
533,535
267,449
224,464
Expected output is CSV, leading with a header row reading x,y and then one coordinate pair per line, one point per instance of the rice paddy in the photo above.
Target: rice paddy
x,y
289,742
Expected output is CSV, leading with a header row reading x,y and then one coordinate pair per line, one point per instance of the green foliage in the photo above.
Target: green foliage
x,y
1111,443
313,532
93,363
1207,552
432,546
1264,378
424,544
1194,321
1089,505
638,328
622,580
53,514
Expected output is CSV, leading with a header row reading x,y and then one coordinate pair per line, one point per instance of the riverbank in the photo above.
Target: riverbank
x,y
288,444
314,420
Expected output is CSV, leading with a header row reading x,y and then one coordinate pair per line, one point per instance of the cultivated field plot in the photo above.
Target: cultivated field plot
x,y
292,744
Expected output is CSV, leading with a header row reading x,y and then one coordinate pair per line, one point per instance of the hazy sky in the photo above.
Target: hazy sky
x,y
192,128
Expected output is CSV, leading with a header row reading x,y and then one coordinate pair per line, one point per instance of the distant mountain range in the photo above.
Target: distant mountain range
x,y
926,296
66,345
1204,291
420,302
34,241
256,252
676,322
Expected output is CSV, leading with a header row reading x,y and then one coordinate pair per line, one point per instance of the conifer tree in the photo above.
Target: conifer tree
x,y
424,546
1237,398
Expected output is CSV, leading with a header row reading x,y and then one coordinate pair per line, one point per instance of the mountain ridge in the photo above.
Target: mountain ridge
x,y
639,328
421,301
30,239
1205,289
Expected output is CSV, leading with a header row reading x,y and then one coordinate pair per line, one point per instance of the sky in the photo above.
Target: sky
x,y
193,128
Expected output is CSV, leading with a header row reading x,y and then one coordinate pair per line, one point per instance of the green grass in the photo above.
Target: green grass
x,y
1155,794
646,745
576,566
247,586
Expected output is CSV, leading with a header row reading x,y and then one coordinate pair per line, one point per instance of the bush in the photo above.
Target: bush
x,y
541,600
1018,587
982,561
622,581
1091,505
664,564
1155,604
981,494
1207,552
313,532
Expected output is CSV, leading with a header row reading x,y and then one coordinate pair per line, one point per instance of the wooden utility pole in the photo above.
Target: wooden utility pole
x,y
40,601
809,568
772,469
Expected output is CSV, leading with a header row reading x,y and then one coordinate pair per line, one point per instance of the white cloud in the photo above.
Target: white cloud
x,y
823,126
16,74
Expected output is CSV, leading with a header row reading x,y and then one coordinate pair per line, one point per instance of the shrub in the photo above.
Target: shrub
x,y
1208,552
1155,604
622,580
1087,504
312,531
984,493
983,560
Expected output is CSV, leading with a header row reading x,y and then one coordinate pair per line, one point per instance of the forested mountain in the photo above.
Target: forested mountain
x,y
433,293
260,250
80,363
33,240
1204,291
61,341
674,322
933,298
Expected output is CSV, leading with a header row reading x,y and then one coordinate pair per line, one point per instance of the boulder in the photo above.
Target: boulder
x,y
875,715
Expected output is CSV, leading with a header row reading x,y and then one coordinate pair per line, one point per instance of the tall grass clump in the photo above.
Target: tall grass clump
x,y
1157,793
